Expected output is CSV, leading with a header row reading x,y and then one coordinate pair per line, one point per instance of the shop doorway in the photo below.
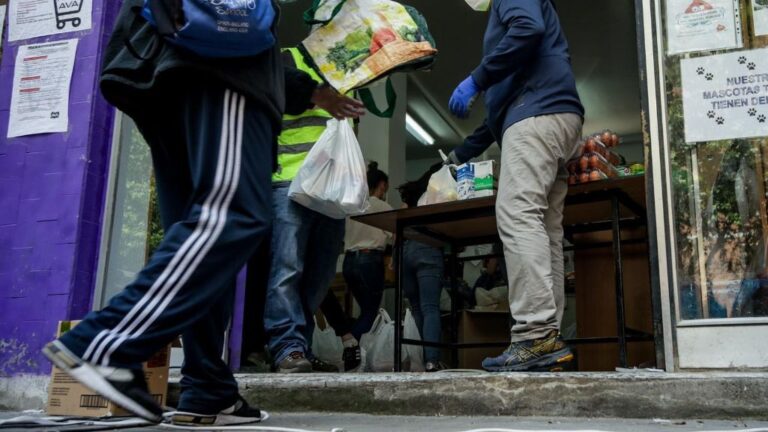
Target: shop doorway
x,y
605,47
604,42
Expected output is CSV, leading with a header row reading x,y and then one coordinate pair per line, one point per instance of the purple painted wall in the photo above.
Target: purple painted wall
x,y
51,204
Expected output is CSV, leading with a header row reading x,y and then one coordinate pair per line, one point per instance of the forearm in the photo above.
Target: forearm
x,y
299,89
475,144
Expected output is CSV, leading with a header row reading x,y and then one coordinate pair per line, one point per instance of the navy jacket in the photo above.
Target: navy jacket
x,y
526,69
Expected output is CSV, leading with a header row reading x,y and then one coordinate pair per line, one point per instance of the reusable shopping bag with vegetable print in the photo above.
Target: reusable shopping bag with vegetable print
x,y
356,42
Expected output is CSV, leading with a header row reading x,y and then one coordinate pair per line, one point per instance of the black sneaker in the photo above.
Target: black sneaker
x,y
125,387
547,354
321,366
352,358
295,363
435,366
238,414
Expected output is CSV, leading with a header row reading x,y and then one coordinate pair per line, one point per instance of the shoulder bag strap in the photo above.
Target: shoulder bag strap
x,y
309,14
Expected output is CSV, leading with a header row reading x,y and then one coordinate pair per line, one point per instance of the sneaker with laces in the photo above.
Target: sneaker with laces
x,y
238,414
294,363
352,358
547,354
124,387
321,366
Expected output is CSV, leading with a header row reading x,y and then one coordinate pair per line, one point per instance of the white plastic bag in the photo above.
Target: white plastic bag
x,y
413,353
379,344
327,346
332,180
442,188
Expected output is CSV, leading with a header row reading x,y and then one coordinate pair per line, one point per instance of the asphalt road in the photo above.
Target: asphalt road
x,y
318,422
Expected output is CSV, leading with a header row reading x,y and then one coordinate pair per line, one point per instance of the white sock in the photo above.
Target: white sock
x,y
349,343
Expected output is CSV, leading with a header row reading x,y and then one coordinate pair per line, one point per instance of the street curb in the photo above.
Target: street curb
x,y
719,396
611,395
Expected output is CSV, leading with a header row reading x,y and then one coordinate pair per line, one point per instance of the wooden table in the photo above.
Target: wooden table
x,y
591,207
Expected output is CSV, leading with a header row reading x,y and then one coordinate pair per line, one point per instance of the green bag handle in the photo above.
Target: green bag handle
x,y
309,14
367,97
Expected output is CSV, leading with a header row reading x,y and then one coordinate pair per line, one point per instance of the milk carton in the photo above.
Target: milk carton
x,y
465,181
484,180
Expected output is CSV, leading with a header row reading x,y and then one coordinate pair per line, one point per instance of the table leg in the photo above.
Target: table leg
x,y
453,262
619,274
399,242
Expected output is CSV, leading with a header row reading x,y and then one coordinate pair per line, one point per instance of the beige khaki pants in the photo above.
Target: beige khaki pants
x,y
529,211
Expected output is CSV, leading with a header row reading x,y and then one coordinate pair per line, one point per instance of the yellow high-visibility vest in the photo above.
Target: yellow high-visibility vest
x,y
300,132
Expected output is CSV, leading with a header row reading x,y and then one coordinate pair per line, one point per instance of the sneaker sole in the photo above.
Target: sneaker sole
x,y
299,369
88,376
554,362
201,420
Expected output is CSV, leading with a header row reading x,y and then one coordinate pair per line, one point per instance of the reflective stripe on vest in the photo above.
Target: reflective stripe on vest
x,y
299,132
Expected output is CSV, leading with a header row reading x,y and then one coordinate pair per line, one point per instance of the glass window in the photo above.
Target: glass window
x,y
128,242
719,192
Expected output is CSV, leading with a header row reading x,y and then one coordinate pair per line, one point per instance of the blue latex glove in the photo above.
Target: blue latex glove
x,y
463,98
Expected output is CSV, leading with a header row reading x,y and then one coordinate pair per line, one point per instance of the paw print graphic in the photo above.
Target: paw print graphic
x,y
700,70
720,121
761,118
751,66
752,112
711,114
709,76
742,60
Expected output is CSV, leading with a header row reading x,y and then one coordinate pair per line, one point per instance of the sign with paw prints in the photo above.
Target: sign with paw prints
x,y
726,96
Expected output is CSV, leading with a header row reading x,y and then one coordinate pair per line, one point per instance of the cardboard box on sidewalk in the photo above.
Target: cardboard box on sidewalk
x,y
67,397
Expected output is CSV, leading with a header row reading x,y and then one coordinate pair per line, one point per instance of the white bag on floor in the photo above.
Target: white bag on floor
x,y
442,188
379,344
327,346
333,180
414,353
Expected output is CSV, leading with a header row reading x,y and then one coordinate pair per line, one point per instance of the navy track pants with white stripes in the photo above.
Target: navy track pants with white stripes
x,y
212,153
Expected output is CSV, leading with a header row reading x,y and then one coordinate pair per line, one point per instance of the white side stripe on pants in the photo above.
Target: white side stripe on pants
x,y
191,245
194,249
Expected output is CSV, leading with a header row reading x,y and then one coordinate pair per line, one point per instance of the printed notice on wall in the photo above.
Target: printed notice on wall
x,y
702,25
726,96
760,17
41,81
34,18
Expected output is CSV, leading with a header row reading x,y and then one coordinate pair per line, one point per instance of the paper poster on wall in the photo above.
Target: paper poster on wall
x,y
702,25
34,18
760,17
726,96
41,81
